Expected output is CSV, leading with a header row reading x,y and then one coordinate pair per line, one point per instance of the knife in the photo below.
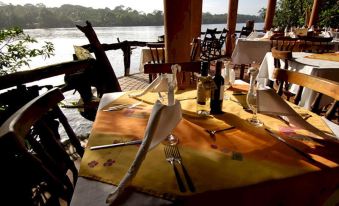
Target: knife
x,y
307,156
116,144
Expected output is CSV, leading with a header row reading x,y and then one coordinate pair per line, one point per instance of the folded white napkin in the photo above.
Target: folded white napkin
x,y
162,121
161,83
269,102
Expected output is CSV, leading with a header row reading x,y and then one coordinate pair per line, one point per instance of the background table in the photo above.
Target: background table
x,y
146,57
316,67
247,51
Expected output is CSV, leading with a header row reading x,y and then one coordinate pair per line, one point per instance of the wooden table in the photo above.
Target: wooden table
x,y
322,68
252,167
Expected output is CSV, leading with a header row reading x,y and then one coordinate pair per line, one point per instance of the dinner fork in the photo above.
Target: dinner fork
x,y
177,157
170,159
122,106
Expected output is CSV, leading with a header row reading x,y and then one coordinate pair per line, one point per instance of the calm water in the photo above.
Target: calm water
x,y
64,39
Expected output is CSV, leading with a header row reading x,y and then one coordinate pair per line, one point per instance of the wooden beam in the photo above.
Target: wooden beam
x,y
270,11
314,14
24,77
105,71
177,19
231,24
196,18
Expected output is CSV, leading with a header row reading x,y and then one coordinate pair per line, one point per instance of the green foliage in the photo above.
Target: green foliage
x,y
293,13
39,16
14,50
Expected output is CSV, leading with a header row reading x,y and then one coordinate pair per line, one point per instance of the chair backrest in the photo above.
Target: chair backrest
x,y
195,49
247,29
284,43
222,39
317,44
185,78
209,45
157,51
283,56
37,161
318,84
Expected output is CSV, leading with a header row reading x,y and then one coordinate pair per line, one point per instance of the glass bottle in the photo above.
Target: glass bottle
x,y
203,91
217,94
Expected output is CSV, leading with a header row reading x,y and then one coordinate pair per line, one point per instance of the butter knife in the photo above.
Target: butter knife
x,y
307,156
116,144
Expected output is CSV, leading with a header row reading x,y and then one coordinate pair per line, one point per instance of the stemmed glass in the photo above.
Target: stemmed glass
x,y
251,98
168,99
228,77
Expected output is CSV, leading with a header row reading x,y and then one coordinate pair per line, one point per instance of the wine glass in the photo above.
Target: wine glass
x,y
251,98
168,99
228,78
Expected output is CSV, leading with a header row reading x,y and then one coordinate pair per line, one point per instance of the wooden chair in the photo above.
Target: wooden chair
x,y
284,43
209,45
316,44
247,29
318,84
157,51
185,78
34,161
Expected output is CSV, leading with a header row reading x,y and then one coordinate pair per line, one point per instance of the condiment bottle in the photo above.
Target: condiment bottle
x,y
204,90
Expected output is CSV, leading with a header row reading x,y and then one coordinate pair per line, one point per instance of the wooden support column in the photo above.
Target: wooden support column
x,y
177,19
231,23
314,14
196,18
270,11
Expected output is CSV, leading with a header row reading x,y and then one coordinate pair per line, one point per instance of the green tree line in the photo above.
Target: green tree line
x,y
39,16
294,12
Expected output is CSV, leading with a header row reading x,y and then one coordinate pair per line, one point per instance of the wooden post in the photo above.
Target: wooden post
x,y
196,18
105,71
314,14
177,19
270,11
231,23
126,49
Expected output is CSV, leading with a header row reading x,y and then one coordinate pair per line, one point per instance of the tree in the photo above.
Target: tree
x,y
293,13
14,50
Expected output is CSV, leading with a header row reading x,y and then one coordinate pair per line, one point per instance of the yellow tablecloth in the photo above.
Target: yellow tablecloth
x,y
325,56
242,161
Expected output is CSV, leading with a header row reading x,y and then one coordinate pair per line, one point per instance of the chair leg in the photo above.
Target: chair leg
x,y
72,136
242,71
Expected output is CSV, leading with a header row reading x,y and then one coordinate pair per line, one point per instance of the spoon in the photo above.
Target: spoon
x,y
212,132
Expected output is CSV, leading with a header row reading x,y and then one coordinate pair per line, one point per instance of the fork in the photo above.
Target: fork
x,y
122,106
170,159
212,132
177,157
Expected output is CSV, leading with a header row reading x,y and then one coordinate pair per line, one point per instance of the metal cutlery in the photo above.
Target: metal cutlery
x,y
122,106
307,156
170,159
177,157
212,132
139,141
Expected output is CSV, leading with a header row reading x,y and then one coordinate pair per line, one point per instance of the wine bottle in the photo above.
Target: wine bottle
x,y
217,94
203,90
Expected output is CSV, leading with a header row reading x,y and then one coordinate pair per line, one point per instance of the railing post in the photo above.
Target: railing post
x,y
126,48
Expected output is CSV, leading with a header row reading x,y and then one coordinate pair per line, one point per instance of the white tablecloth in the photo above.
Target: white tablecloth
x,y
146,57
247,51
316,67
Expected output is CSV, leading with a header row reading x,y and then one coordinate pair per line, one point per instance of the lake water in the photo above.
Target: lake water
x,y
64,39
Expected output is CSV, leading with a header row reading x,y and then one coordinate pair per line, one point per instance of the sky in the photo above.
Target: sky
x,y
213,6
